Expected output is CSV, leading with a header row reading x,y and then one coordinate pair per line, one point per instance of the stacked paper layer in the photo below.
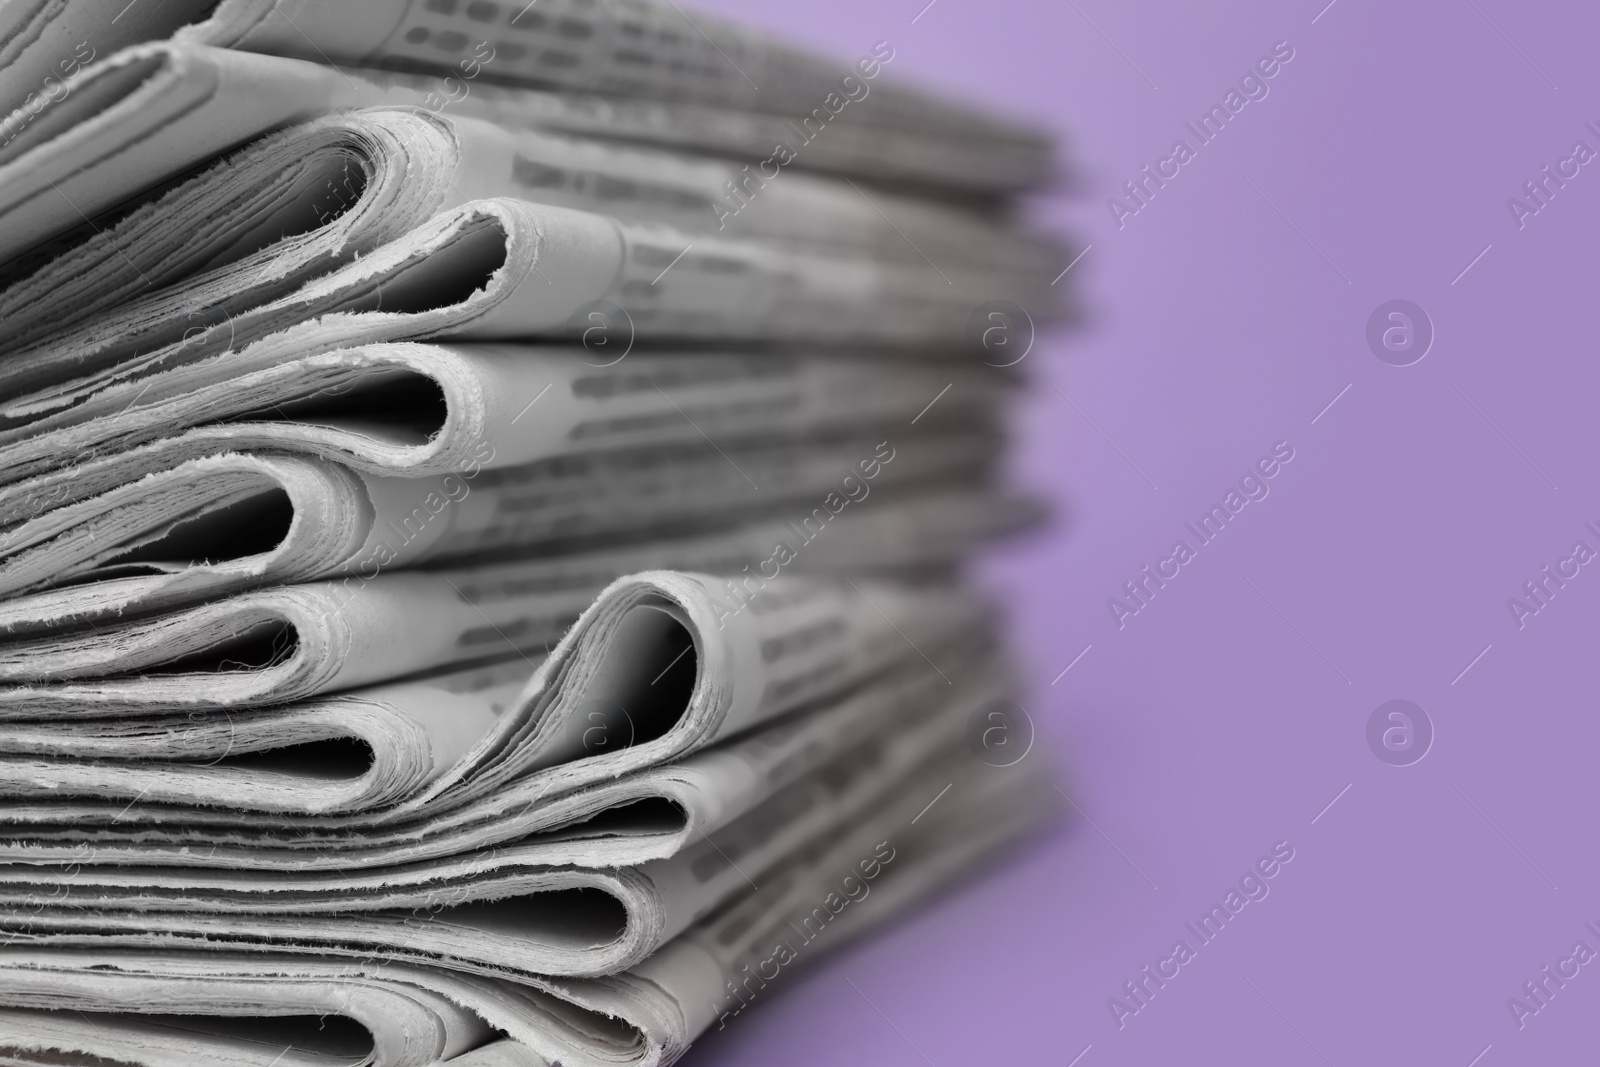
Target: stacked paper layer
x,y
484,492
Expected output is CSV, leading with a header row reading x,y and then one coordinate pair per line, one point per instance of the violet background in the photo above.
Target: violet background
x,y
1213,726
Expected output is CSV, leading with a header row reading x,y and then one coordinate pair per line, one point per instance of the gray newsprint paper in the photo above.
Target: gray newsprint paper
x,y
486,913
412,409
259,1007
299,759
283,643
612,47
120,123
510,848
485,499
504,269
663,663
232,521
264,219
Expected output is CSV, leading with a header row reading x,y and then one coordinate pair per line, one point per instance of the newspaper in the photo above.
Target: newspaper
x,y
613,47
283,209
670,660
484,497
509,269
413,731
282,643
404,1013
511,920
413,409
747,799
139,117
121,123
979,164
227,522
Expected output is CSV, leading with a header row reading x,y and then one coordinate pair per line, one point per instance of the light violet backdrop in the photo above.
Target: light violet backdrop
x,y
1228,714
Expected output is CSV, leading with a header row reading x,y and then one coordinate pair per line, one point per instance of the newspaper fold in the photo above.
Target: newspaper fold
x,y
667,661
289,642
514,921
645,1016
415,730
119,125
418,409
283,209
227,522
142,116
614,47
503,269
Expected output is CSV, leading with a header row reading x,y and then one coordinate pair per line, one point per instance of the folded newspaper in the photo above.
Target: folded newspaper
x,y
486,494
515,843
113,129
502,269
166,1006
283,209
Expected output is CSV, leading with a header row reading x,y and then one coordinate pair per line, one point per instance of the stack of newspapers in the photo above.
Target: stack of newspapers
x,y
484,493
